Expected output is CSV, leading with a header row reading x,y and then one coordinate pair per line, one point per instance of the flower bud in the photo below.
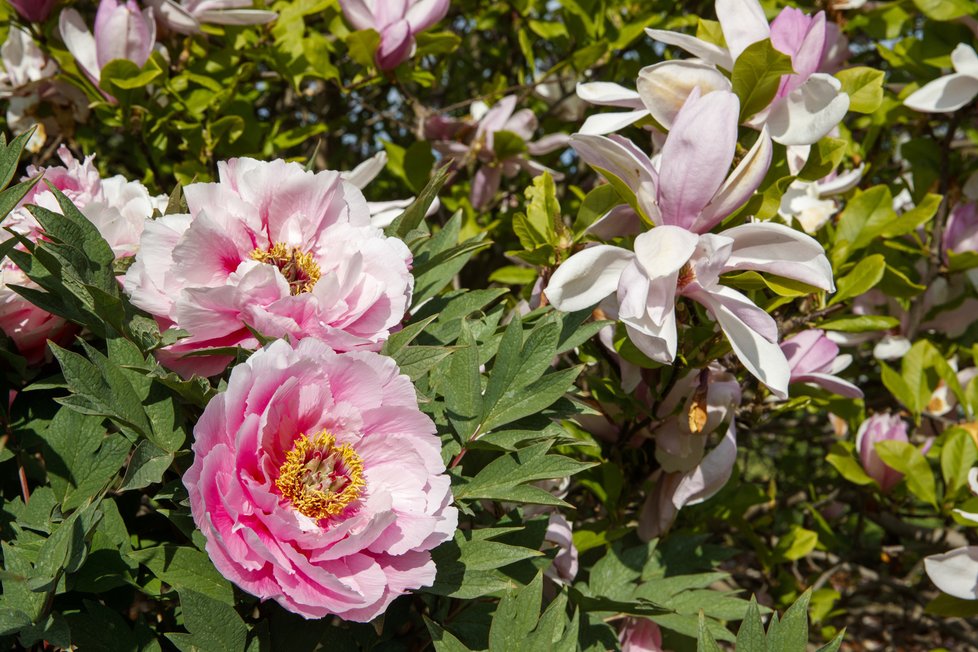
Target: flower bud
x,y
35,11
123,31
877,428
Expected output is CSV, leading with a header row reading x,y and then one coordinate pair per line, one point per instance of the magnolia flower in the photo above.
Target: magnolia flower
x,y
35,11
690,193
187,16
814,358
961,233
811,203
397,21
950,92
877,428
808,104
122,31
117,207
688,474
956,572
459,140
318,483
640,635
273,248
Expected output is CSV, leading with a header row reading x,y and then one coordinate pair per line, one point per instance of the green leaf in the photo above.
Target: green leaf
x,y
907,459
418,162
213,625
796,544
185,568
750,636
704,640
463,386
791,633
596,204
863,277
865,217
951,607
756,76
845,463
861,324
362,45
10,156
516,616
506,144
912,219
531,399
414,214
864,87
148,464
958,455
824,156
898,387
944,10
442,639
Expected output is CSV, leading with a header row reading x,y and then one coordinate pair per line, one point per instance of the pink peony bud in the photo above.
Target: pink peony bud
x,y
640,635
35,11
877,428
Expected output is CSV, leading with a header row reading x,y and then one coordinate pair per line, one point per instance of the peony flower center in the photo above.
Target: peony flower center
x,y
319,477
298,267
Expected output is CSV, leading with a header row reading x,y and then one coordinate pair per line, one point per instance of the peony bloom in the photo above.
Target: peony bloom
x,y
690,192
808,103
640,635
459,140
187,16
35,11
397,21
877,428
122,31
318,483
950,92
274,248
117,207
814,358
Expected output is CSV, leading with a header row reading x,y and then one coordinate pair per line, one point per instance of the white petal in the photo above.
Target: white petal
x,y
620,158
841,183
367,171
706,51
780,250
891,347
973,480
809,112
609,94
955,572
79,41
587,277
965,60
664,87
969,516
658,342
606,123
944,94
743,22
664,250
762,357
709,477
833,384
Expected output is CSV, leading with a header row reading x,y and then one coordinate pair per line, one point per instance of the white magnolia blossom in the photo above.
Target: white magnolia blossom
x,y
811,203
956,572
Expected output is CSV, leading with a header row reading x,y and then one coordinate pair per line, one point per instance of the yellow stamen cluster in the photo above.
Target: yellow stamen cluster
x,y
319,478
298,267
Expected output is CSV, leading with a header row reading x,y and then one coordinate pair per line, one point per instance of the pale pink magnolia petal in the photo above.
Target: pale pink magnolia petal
x,y
640,635
547,144
712,473
367,171
697,155
495,118
123,31
621,158
608,94
664,87
587,277
955,572
739,186
621,220
743,22
944,94
657,341
80,42
840,183
780,250
802,37
965,59
809,351
808,113
358,13
752,334
175,16
831,383
422,14
606,123
698,48
485,185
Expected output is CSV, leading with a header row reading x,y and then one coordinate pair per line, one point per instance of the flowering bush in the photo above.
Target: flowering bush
x,y
414,324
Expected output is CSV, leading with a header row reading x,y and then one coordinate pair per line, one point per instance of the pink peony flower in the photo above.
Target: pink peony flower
x,y
318,483
286,252
116,206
